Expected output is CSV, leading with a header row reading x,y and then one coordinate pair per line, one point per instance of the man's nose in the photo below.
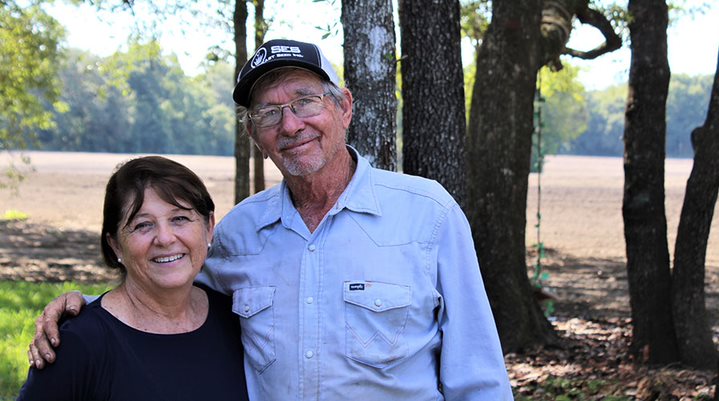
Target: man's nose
x,y
290,123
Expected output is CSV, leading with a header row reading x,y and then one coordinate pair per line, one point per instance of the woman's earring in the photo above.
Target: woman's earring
x,y
119,260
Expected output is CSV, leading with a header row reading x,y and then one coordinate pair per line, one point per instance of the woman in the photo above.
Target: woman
x,y
156,336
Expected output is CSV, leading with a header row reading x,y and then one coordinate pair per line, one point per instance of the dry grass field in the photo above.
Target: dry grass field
x,y
581,228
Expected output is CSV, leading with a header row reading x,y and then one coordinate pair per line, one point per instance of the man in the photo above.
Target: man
x,y
351,283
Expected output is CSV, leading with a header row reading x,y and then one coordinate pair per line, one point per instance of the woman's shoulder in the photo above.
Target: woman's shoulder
x,y
90,327
90,317
83,344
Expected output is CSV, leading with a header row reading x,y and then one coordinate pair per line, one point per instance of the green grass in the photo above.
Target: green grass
x,y
14,215
20,304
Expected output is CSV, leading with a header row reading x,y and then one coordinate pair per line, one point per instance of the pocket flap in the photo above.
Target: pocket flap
x,y
247,302
377,296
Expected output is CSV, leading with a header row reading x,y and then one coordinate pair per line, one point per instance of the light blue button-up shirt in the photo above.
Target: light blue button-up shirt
x,y
383,301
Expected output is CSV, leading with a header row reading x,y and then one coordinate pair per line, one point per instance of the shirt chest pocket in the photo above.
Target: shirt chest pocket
x,y
254,306
375,320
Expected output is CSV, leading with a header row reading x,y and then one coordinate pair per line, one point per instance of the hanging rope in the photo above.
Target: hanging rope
x,y
545,297
538,167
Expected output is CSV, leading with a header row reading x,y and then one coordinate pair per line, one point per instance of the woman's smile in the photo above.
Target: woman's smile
x,y
168,259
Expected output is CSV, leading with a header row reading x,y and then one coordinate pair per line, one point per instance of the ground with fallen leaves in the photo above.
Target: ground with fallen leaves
x,y
578,198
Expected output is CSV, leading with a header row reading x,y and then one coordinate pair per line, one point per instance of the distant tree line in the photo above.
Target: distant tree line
x,y
142,101
686,109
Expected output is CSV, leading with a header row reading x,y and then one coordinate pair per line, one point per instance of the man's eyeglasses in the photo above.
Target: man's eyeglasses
x,y
302,107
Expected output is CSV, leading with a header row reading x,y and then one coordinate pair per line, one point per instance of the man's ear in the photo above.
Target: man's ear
x,y
259,148
346,106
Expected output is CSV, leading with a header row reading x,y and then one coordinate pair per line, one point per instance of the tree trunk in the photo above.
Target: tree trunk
x,y
498,150
691,325
260,30
433,116
242,139
645,226
370,72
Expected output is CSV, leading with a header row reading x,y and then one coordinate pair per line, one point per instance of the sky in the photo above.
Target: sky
x,y
693,42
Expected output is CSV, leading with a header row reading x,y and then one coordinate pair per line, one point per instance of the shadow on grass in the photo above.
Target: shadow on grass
x,y
41,253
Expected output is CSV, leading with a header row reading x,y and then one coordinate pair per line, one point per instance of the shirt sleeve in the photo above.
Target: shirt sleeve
x,y
71,377
471,365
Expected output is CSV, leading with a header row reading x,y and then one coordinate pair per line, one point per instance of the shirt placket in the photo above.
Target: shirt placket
x,y
310,295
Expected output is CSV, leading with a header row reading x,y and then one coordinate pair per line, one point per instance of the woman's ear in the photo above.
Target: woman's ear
x,y
114,245
210,227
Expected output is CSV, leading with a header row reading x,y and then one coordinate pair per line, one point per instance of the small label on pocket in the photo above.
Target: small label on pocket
x,y
357,287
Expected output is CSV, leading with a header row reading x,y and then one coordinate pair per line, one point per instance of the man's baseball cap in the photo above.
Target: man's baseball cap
x,y
281,53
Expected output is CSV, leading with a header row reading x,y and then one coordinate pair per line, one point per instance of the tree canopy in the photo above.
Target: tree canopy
x,y
30,57
141,98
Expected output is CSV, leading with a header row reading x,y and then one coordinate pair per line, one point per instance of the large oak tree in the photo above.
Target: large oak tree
x,y
433,117
691,322
498,149
370,71
645,225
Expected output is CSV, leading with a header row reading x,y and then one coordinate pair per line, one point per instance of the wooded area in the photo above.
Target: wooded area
x,y
577,121
593,126
482,154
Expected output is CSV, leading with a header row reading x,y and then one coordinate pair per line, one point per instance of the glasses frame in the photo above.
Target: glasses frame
x,y
281,108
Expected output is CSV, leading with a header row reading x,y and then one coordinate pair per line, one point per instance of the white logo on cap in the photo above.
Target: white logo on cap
x,y
260,57
286,49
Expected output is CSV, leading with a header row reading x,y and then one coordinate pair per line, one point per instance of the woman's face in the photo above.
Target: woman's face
x,y
163,247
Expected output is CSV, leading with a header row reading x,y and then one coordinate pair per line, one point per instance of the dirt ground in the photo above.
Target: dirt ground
x,y
579,199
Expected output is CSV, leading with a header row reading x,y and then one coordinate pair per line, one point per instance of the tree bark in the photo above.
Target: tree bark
x,y
645,226
691,325
242,139
433,116
370,73
498,150
260,30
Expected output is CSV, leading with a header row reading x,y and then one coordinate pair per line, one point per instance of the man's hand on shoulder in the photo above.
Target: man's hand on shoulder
x,y
47,334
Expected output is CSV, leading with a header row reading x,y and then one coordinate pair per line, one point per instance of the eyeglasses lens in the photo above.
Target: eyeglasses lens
x,y
304,107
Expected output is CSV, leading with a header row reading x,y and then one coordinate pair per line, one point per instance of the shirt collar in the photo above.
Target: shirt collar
x,y
359,196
